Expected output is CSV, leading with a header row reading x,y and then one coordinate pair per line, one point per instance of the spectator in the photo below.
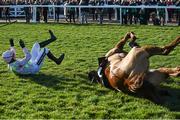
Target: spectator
x,y
118,2
155,19
144,14
133,12
93,11
1,9
147,11
110,10
7,12
138,3
178,12
100,11
27,11
45,11
84,11
170,11
38,9
57,9
162,12
66,14
77,9
124,11
71,11
152,3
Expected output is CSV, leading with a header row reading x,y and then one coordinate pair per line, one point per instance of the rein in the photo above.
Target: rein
x,y
101,74
103,66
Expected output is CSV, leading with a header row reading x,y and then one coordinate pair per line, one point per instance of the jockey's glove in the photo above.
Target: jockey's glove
x,y
11,41
21,43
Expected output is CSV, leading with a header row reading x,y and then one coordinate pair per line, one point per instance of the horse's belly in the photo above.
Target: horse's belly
x,y
140,67
135,62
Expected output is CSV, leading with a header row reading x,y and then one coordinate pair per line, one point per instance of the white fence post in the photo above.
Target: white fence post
x,y
54,12
15,11
115,14
34,14
120,15
80,17
166,16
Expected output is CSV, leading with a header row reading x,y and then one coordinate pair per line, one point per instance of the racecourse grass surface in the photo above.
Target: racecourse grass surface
x,y
64,92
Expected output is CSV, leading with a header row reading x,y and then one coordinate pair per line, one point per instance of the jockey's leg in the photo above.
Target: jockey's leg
x,y
55,59
40,55
152,50
48,41
35,52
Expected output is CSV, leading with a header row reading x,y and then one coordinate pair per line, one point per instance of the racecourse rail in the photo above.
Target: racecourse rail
x,y
34,8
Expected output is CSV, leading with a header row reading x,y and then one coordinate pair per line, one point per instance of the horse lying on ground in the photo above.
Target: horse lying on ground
x,y
129,71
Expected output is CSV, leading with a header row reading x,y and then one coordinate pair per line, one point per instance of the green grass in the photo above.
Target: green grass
x,y
64,91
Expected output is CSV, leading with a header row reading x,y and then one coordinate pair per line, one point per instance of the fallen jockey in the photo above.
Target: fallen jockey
x,y
33,61
129,72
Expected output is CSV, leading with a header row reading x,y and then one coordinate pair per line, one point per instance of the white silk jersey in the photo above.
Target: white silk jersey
x,y
31,63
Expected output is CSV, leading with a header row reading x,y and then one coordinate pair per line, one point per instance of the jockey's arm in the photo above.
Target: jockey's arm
x,y
11,41
26,52
26,58
13,50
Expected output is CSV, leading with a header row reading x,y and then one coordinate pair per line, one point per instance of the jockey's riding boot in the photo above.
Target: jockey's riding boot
x,y
56,60
133,44
48,41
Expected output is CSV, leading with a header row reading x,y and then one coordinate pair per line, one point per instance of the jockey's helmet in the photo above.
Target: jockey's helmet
x,y
8,55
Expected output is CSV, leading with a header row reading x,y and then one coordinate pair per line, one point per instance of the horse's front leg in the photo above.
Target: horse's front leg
x,y
132,42
118,48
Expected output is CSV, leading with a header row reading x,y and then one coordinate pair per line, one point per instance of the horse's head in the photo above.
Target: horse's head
x,y
99,75
93,77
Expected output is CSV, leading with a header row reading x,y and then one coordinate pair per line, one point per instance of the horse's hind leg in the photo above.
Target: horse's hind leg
x,y
174,72
152,50
157,76
120,45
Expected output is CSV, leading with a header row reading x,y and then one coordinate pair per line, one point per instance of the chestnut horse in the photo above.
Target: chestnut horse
x,y
129,71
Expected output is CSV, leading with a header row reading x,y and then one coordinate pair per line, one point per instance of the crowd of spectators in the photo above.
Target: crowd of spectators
x,y
129,15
